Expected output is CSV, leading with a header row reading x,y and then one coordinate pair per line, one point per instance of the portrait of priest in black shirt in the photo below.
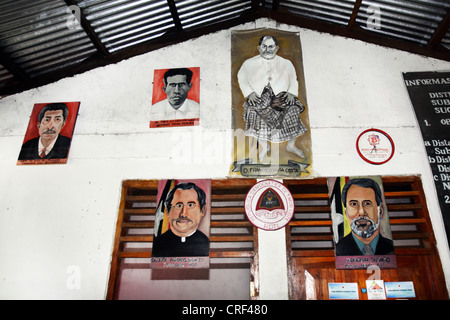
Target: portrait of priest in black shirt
x,y
186,206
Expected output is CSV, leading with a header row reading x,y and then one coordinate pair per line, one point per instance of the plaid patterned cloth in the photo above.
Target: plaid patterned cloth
x,y
273,119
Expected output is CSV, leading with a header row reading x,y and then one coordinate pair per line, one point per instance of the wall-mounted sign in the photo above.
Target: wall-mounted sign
x,y
269,205
375,146
360,222
49,134
430,96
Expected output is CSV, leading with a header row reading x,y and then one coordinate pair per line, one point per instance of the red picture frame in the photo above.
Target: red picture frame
x,y
60,150
161,119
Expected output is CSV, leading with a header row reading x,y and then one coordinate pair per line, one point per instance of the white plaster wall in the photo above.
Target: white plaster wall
x,y
58,221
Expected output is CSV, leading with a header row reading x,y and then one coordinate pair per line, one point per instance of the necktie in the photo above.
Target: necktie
x,y
43,153
367,250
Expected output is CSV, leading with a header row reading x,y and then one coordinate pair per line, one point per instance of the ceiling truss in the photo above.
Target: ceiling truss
x,y
16,77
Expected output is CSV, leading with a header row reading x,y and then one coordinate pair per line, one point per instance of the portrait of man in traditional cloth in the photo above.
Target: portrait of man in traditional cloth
x,y
272,110
269,99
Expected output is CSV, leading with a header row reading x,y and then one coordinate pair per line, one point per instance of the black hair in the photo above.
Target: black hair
x,y
178,71
365,183
186,186
273,38
54,107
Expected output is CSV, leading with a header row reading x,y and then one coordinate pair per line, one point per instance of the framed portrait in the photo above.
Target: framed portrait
x,y
270,115
175,98
182,224
361,229
49,134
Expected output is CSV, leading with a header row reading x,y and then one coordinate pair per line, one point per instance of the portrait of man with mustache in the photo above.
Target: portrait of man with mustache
x,y
177,83
364,209
272,110
186,206
50,144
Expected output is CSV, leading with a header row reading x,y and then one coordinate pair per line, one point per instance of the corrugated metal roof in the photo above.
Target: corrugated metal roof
x,y
120,24
413,21
36,36
200,13
5,75
446,40
334,11
44,40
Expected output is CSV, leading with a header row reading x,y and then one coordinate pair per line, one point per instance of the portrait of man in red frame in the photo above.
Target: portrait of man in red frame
x,y
49,133
175,97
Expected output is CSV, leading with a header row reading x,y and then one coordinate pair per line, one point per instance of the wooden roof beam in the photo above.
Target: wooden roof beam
x,y
352,20
175,15
7,62
440,31
89,30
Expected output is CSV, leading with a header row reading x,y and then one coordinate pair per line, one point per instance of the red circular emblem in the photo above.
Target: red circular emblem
x,y
269,205
375,146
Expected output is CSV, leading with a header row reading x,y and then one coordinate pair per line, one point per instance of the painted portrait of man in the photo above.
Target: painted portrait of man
x,y
360,220
49,134
182,221
270,113
175,99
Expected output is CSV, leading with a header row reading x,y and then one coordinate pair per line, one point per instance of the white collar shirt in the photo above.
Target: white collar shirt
x,y
48,149
255,73
162,110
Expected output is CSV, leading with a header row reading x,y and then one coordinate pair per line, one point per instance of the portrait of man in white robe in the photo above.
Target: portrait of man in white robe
x,y
270,97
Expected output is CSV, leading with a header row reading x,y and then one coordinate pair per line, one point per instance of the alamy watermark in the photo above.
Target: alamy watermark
x,y
73,22
73,281
375,271
374,19
197,146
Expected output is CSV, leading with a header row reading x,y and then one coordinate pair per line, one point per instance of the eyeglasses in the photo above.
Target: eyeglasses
x,y
365,204
180,205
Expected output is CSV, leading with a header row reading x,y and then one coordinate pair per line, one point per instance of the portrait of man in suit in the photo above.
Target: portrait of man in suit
x,y
50,146
364,209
